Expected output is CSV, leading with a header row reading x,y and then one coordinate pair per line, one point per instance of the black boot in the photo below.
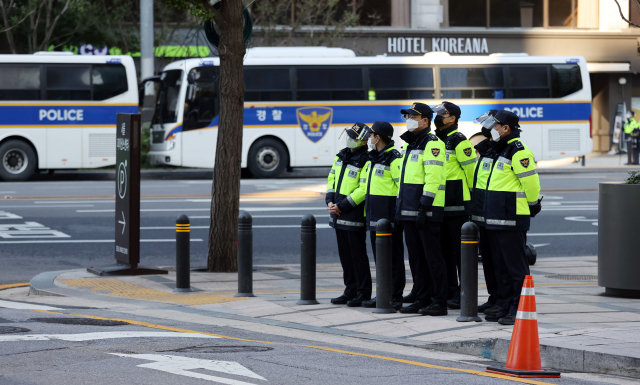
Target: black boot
x,y
369,303
415,307
454,303
411,298
435,309
342,300
357,302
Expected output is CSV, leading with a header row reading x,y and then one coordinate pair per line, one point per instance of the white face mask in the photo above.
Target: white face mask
x,y
495,135
371,145
352,143
412,125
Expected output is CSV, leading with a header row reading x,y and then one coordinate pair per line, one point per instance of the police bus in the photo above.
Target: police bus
x,y
298,100
58,110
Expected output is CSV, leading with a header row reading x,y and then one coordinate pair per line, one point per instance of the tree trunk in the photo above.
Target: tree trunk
x,y
225,200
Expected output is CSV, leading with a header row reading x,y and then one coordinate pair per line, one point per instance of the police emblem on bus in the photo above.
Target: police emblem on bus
x,y
524,162
467,151
314,121
435,151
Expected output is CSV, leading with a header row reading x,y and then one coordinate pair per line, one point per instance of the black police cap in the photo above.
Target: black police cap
x,y
384,129
508,118
452,108
419,109
356,129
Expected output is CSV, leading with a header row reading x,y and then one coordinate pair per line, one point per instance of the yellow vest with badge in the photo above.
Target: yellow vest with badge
x,y
460,163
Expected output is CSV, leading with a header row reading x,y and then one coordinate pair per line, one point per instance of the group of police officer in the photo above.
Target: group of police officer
x,y
428,191
632,138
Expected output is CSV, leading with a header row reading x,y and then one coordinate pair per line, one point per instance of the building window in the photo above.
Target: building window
x,y
522,13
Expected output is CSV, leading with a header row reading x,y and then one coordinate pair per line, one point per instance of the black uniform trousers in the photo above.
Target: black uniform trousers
x,y
427,262
489,267
356,272
398,276
628,144
450,234
508,246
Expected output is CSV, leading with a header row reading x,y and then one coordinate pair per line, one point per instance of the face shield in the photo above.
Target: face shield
x,y
365,133
349,141
440,110
480,119
490,122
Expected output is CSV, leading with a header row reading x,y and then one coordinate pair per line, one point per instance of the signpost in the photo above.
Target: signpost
x,y
127,247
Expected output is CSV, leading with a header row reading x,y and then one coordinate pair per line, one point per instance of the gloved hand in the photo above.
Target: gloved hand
x,y
535,209
421,220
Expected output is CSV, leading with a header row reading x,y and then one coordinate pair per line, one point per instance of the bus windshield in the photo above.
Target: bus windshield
x,y
167,102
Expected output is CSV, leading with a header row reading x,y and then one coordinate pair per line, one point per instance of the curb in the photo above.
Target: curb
x,y
584,170
42,284
559,358
574,360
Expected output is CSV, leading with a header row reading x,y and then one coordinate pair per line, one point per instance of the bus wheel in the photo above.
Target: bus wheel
x,y
18,161
267,158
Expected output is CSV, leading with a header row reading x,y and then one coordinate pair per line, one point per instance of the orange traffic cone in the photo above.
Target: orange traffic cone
x,y
523,359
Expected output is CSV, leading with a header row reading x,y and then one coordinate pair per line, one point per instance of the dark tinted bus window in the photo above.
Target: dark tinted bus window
x,y
267,84
68,82
473,83
167,101
400,78
565,79
329,84
19,82
472,77
202,102
528,82
109,80
529,76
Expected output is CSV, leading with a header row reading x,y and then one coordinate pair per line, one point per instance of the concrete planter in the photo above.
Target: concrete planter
x,y
619,239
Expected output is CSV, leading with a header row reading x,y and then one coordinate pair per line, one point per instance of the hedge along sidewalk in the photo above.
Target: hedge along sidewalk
x,y
580,328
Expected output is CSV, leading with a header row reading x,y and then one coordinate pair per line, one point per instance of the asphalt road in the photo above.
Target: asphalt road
x,y
64,222
44,353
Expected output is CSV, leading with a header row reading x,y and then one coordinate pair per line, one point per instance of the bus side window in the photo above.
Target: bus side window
x,y
202,102
565,79
19,82
472,83
330,84
528,82
109,80
400,83
68,82
267,84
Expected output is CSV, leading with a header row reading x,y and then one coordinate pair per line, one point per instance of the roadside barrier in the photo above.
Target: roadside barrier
x,y
523,359
183,255
245,255
469,274
308,261
384,249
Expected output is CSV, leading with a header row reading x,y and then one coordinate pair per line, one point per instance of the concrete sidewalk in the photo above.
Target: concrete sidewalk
x,y
593,163
580,329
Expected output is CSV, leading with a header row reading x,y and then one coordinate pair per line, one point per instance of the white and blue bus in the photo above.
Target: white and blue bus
x,y
297,101
58,111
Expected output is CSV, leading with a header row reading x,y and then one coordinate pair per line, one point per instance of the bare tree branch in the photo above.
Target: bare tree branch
x,y
622,15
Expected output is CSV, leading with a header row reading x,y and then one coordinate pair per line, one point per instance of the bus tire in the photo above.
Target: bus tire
x,y
267,158
17,161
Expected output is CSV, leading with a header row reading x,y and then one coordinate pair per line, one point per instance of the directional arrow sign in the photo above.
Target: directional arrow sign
x,y
180,366
123,222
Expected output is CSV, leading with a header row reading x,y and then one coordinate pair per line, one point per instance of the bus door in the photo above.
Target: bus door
x,y
166,125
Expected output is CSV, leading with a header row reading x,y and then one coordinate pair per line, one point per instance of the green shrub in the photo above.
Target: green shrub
x,y
634,177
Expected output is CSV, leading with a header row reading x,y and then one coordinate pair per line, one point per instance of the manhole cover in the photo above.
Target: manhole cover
x,y
221,349
571,277
79,321
12,329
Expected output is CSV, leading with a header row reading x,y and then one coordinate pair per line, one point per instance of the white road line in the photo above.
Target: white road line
x,y
96,241
26,306
570,208
556,234
40,207
264,216
99,336
249,209
318,226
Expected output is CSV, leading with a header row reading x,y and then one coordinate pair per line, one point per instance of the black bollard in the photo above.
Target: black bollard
x,y
469,276
183,255
308,261
384,286
245,255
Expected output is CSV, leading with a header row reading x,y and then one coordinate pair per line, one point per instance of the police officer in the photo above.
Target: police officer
x,y
460,164
420,209
629,126
345,202
380,180
495,274
512,198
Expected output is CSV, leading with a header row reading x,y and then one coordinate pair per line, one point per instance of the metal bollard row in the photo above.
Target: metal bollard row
x,y
183,255
308,261
384,251
245,255
469,274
